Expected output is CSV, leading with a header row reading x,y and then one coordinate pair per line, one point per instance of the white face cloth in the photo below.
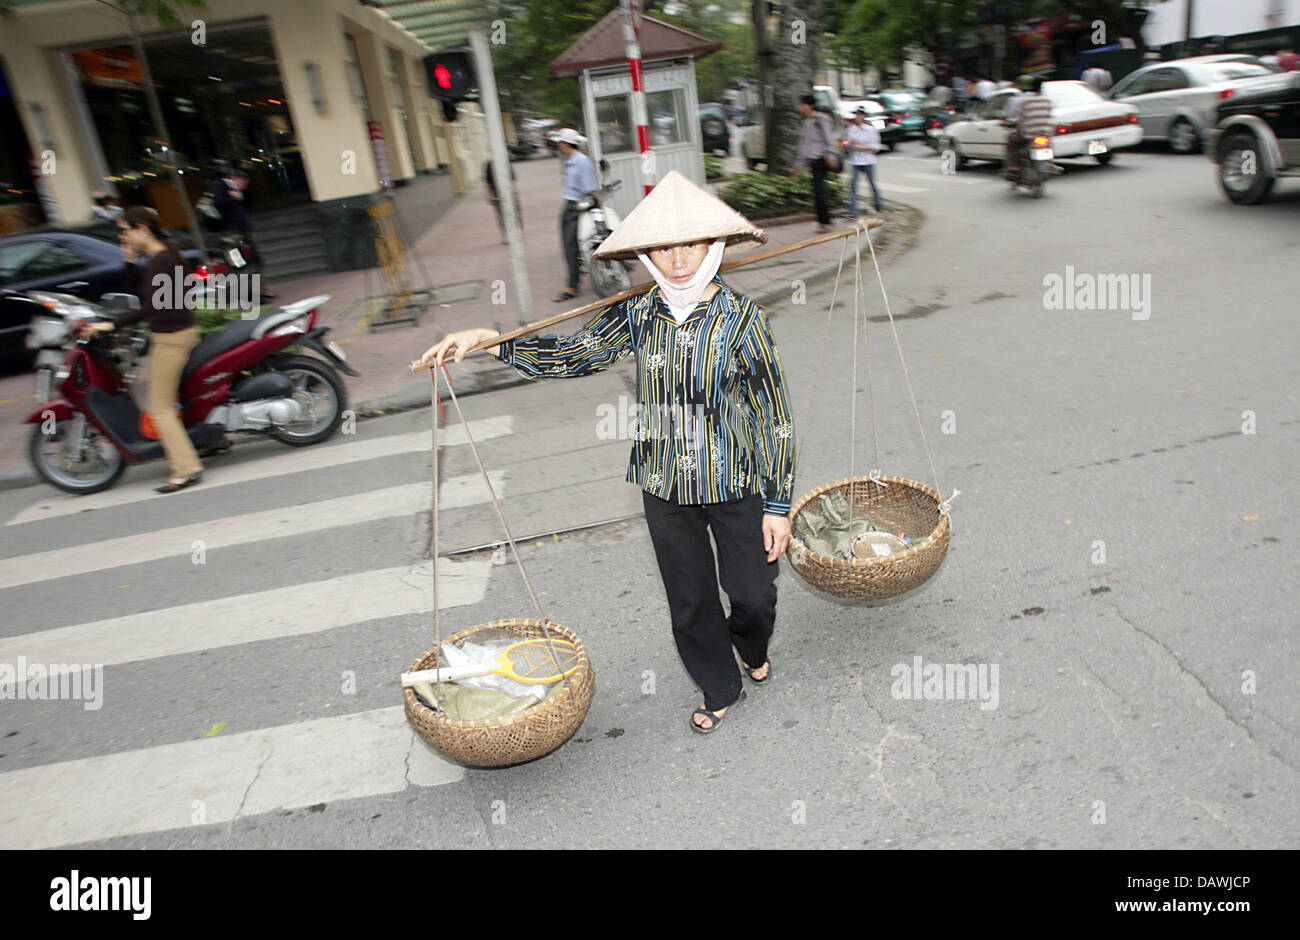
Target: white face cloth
x,y
682,300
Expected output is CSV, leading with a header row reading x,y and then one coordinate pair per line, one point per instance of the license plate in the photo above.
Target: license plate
x,y
1097,146
935,131
334,348
236,258
1041,153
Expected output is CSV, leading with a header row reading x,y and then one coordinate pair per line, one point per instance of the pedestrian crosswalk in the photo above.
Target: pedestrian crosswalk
x,y
172,784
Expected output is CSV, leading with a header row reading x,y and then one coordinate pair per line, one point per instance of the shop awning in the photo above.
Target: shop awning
x,y
438,23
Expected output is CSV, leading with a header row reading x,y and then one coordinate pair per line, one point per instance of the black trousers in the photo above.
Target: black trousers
x,y
704,636
569,238
819,191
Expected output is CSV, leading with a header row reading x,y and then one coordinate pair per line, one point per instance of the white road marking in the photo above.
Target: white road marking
x,y
295,610
214,780
944,178
230,531
300,460
899,187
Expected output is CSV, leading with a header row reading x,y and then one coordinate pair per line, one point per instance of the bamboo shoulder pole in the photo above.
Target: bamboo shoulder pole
x,y
751,258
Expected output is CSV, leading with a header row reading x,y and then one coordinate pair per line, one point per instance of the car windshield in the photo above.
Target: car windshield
x,y
1227,71
899,99
1067,93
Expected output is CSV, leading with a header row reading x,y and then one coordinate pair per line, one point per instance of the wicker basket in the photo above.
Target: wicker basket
x,y
513,739
904,505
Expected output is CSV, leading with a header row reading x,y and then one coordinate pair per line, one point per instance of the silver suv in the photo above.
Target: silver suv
x,y
1176,99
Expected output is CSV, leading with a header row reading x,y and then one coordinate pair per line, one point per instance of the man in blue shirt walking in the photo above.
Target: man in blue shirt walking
x,y
579,179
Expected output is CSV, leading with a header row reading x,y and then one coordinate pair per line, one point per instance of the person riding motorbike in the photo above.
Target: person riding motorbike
x,y
1028,114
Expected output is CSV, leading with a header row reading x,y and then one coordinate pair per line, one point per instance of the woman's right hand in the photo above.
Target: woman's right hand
x,y
456,345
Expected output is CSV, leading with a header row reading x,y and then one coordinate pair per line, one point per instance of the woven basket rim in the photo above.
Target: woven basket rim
x,y
883,561
474,724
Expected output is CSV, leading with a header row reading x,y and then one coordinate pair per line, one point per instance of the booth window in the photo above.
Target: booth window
x,y
666,111
613,118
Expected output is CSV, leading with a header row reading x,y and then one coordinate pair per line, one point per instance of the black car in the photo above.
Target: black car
x,y
84,260
714,133
1256,137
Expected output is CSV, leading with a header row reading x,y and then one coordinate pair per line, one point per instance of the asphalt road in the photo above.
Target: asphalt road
x,y
1122,553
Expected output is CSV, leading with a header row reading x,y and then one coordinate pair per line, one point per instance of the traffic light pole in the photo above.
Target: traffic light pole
x,y
487,84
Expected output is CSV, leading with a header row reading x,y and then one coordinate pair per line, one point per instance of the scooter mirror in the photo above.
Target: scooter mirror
x,y
119,303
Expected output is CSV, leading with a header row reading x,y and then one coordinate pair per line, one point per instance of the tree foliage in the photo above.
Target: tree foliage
x,y
879,32
538,31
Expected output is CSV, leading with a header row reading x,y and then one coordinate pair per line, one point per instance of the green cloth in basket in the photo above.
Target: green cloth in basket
x,y
824,526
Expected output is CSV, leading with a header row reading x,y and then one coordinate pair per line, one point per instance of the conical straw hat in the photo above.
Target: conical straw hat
x,y
677,211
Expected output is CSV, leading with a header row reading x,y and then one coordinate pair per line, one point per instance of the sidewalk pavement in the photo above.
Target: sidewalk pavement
x,y
464,257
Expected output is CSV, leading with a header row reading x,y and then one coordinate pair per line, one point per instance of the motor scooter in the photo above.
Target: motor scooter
x,y
595,222
241,379
1036,166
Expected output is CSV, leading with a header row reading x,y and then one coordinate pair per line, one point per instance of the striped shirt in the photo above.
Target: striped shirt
x,y
1035,115
712,421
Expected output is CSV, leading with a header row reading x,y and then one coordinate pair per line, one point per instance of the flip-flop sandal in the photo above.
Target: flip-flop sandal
x,y
749,670
713,717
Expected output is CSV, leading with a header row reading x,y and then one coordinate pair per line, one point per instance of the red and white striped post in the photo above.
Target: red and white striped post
x,y
632,42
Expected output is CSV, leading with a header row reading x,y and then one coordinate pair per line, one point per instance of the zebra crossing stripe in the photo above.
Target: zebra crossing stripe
x,y
945,178
273,464
899,188
229,531
215,780
295,610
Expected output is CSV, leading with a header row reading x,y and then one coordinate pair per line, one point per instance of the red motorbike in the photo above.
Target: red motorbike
x,y
240,379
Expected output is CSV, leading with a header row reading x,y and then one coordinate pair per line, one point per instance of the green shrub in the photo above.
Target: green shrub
x,y
210,319
768,195
712,167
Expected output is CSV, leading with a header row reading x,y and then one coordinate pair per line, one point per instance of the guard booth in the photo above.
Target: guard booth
x,y
668,53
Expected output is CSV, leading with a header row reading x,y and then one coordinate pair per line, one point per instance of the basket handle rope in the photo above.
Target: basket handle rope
x,y
436,405
860,307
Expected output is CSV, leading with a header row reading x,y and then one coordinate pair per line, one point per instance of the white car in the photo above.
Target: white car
x,y
1085,124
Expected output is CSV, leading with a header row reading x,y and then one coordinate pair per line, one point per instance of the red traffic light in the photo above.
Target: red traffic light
x,y
451,74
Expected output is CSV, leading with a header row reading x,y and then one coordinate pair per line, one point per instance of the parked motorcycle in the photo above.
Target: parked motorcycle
x,y
1036,166
240,379
595,223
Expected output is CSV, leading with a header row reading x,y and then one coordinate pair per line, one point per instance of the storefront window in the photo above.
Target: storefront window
x,y
224,105
613,118
667,117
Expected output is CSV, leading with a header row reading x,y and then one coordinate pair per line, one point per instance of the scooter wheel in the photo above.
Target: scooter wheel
x,y
317,384
100,467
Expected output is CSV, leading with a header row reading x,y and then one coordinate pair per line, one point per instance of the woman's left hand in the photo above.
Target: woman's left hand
x,y
776,535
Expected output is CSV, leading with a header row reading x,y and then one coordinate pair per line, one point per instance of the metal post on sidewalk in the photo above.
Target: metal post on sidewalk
x,y
487,84
632,46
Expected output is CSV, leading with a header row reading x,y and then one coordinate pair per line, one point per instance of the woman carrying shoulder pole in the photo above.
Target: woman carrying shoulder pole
x,y
714,446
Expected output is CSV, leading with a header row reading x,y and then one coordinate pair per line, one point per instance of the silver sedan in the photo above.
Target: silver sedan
x,y
1176,99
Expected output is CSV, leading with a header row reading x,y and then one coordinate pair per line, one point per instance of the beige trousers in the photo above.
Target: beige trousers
x,y
168,354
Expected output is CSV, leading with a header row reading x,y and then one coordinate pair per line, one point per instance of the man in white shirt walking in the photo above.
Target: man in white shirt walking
x,y
861,144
